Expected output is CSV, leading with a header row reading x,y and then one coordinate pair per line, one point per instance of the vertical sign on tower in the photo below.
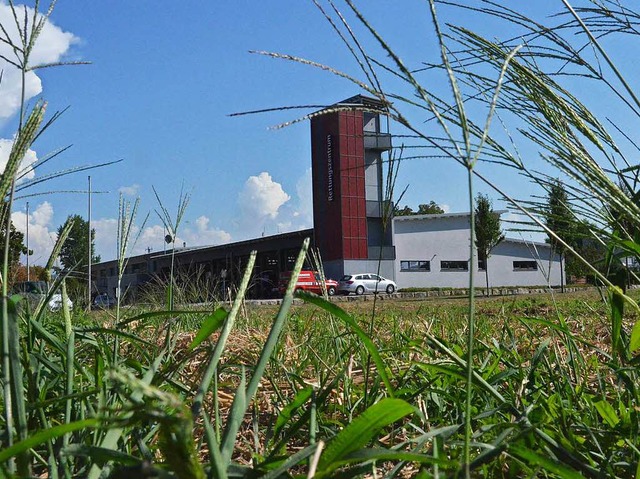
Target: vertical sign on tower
x,y
329,169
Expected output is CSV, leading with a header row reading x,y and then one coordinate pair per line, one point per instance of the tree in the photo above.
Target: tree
x,y
406,211
488,231
431,208
75,251
560,219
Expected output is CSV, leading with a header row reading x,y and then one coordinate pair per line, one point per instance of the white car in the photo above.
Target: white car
x,y
365,283
55,303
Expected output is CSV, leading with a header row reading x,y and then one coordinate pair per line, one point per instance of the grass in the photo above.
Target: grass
x,y
522,352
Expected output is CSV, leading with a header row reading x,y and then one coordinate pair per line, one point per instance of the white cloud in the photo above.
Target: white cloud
x,y
50,47
203,235
304,209
260,202
262,197
446,208
41,236
152,237
129,190
25,171
106,237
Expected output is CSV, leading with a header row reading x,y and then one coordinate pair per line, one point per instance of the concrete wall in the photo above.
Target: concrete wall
x,y
446,238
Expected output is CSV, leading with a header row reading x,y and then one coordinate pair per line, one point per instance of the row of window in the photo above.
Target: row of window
x,y
461,266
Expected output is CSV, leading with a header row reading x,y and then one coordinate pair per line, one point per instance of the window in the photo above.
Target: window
x,y
482,265
525,266
454,266
415,266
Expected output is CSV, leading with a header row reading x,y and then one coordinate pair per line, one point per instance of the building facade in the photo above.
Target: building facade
x,y
348,146
433,251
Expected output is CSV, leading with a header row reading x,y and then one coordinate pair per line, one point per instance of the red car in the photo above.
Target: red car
x,y
308,281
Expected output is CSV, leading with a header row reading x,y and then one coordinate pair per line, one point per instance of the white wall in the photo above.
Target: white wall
x,y
437,238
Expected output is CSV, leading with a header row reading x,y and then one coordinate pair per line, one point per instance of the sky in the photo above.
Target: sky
x,y
163,80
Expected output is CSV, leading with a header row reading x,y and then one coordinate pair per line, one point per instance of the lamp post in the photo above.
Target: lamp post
x,y
90,255
28,277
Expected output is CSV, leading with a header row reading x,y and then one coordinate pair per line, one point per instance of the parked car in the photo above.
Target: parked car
x,y
103,301
36,291
365,283
309,281
55,303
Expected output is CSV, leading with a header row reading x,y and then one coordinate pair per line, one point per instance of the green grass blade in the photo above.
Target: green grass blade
x,y
353,325
18,402
229,437
217,468
290,462
287,412
537,460
210,324
236,416
111,438
616,300
46,435
634,343
70,384
222,340
607,413
99,455
362,430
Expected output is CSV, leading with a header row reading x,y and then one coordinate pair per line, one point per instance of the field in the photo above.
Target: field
x,y
542,363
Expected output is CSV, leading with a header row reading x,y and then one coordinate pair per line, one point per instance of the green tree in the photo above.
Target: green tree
x,y
560,219
406,211
430,209
488,231
75,251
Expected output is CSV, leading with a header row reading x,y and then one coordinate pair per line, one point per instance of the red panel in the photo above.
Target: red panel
x,y
353,187
346,210
346,190
347,249
363,248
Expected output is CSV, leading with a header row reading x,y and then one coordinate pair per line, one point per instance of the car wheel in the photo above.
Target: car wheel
x,y
331,291
360,290
390,289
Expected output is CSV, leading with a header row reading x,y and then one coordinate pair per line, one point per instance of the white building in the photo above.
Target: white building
x,y
433,251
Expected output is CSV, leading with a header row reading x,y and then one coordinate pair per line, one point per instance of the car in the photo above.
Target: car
x,y
309,281
36,291
362,283
55,303
103,301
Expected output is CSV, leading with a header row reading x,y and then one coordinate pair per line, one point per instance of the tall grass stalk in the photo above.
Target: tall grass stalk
x,y
172,227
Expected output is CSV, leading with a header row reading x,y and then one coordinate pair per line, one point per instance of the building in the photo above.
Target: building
x,y
433,251
347,142
350,232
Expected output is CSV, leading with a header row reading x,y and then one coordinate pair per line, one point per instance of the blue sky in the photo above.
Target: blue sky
x,y
163,79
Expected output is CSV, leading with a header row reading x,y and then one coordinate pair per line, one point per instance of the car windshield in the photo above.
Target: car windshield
x,y
346,277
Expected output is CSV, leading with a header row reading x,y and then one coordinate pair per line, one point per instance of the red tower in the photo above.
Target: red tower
x,y
347,144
